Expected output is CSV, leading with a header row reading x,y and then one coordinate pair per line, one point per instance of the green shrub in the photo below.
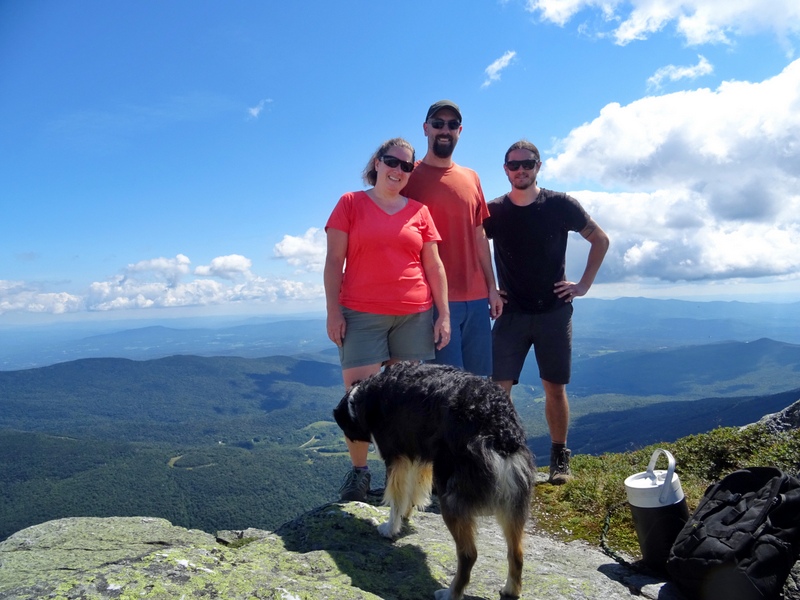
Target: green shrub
x,y
580,508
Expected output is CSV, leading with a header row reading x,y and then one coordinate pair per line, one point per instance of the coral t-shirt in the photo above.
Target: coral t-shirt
x,y
455,199
383,271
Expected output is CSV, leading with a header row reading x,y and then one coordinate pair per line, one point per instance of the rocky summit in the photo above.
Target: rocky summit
x,y
333,552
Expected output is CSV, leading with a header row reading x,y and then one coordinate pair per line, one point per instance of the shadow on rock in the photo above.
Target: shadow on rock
x,y
397,569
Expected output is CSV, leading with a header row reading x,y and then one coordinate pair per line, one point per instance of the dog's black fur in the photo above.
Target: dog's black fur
x,y
434,422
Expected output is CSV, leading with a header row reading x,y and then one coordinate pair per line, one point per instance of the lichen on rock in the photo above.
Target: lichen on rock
x,y
331,553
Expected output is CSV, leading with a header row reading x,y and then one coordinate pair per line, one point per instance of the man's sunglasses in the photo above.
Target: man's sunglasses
x,y
393,162
452,124
514,165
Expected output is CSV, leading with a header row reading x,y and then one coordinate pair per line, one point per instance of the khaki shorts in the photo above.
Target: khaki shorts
x,y
373,339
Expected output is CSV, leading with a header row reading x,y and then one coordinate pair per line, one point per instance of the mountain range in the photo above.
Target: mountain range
x,y
228,440
599,326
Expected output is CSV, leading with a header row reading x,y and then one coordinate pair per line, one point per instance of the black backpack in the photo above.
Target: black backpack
x,y
742,540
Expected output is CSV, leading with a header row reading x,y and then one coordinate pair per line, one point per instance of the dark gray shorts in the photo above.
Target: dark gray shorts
x,y
549,333
372,339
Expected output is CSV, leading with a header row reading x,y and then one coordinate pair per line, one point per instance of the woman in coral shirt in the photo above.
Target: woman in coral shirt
x,y
383,275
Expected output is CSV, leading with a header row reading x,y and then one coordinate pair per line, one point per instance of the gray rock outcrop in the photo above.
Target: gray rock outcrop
x,y
788,418
333,552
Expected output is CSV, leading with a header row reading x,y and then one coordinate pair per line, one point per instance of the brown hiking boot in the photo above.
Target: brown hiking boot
x,y
355,485
560,472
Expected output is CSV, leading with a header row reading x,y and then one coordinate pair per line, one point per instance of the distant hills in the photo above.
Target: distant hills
x,y
178,399
192,399
22,348
630,323
599,326
761,366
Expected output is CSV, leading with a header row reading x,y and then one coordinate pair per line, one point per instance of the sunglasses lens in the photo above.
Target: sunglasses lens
x,y
452,125
393,162
514,165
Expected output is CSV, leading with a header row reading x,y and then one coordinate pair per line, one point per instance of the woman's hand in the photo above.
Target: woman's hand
x,y
336,326
441,331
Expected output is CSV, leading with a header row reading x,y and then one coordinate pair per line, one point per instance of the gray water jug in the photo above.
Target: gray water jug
x,y
659,510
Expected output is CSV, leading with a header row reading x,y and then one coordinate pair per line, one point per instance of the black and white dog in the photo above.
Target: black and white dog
x,y
438,423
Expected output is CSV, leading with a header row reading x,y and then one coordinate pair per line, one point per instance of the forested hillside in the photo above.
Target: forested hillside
x,y
225,442
179,399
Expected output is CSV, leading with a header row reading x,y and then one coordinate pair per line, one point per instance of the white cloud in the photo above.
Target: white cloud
x,y
493,70
19,296
256,110
722,142
307,252
710,180
673,235
676,73
697,21
163,283
171,269
122,293
230,267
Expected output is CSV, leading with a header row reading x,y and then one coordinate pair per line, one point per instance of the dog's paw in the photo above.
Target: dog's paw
x,y
385,529
442,594
510,592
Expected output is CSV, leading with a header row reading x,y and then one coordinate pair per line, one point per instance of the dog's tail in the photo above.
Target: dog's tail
x,y
514,475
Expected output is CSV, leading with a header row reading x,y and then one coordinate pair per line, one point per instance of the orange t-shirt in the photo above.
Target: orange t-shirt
x,y
383,271
455,199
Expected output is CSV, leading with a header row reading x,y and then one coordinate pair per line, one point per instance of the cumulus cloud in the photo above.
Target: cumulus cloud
x,y
493,70
171,269
230,267
676,73
20,296
673,235
163,283
306,252
697,21
710,181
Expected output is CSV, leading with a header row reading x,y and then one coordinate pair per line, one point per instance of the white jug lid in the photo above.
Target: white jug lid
x,y
655,488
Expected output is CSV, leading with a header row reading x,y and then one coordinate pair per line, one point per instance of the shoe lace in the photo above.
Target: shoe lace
x,y
561,461
349,480
355,479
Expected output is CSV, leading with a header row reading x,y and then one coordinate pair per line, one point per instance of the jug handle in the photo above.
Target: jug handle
x,y
670,472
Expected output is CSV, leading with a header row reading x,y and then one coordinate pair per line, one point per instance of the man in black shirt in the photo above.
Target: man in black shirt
x,y
529,228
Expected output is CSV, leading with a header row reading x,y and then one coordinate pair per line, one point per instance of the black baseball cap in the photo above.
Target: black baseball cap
x,y
437,106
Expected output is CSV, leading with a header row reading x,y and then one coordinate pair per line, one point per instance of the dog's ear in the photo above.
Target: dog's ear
x,y
341,413
350,414
352,401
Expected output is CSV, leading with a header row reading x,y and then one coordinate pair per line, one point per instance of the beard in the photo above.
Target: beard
x,y
443,148
522,184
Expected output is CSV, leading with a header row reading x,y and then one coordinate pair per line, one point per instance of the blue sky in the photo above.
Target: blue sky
x,y
176,157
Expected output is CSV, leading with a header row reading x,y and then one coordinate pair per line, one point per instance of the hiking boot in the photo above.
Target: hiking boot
x,y
355,485
560,472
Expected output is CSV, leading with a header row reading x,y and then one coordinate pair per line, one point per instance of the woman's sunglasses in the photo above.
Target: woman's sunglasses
x,y
393,162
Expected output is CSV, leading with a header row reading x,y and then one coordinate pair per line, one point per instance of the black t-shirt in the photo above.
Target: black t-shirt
x,y
530,246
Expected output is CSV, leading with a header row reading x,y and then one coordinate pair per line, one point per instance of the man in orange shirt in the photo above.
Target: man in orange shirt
x,y
455,199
